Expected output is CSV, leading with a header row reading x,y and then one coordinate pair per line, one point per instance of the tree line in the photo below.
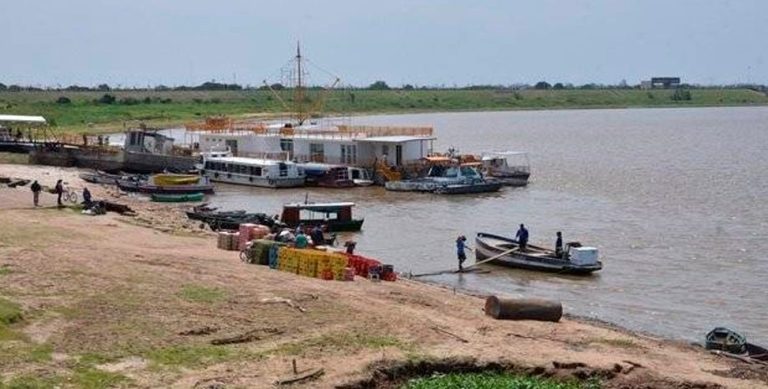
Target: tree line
x,y
377,85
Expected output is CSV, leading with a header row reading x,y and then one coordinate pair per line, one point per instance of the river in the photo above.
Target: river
x,y
675,199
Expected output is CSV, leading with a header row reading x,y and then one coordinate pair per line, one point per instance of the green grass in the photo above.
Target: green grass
x,y
201,294
10,312
176,107
490,381
338,342
92,378
32,381
5,269
14,158
190,355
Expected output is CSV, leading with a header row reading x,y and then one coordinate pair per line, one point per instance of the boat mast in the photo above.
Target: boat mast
x,y
298,97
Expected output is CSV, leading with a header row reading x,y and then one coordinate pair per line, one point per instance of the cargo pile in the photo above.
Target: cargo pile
x,y
326,265
249,232
228,240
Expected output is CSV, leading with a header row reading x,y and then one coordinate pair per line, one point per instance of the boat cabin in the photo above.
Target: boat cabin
x,y
509,167
336,216
327,175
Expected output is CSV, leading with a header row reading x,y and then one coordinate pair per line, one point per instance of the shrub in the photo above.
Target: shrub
x,y
63,100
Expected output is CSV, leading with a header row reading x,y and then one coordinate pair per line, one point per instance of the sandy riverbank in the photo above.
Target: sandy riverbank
x,y
106,299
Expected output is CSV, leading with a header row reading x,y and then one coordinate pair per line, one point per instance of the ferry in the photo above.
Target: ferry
x,y
268,173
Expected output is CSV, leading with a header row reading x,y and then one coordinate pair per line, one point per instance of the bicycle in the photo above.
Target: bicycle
x,y
68,194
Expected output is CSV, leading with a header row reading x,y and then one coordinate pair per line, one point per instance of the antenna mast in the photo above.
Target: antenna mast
x,y
298,93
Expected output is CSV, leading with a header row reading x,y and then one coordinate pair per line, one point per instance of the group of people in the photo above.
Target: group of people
x,y
59,191
522,241
315,237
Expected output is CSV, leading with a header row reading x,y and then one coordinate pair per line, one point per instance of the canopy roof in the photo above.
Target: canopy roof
x,y
22,119
501,154
321,207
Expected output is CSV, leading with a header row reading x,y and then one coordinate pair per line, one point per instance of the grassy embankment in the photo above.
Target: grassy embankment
x,y
84,114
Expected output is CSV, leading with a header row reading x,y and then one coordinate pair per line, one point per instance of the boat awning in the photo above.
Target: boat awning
x,y
321,207
501,154
22,119
395,139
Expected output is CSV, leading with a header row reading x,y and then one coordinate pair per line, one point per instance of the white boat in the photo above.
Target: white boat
x,y
508,167
359,176
268,173
447,179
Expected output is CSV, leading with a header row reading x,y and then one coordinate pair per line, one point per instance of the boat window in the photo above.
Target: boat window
x,y
467,171
283,169
306,214
355,174
436,171
256,170
451,172
317,152
208,165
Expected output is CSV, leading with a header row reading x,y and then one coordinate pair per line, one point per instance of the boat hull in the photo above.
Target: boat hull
x,y
488,245
181,198
485,187
130,186
175,179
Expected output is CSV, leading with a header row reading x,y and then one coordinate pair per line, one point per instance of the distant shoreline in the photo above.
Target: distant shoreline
x,y
76,112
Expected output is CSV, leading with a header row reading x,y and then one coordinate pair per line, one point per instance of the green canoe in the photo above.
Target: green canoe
x,y
177,198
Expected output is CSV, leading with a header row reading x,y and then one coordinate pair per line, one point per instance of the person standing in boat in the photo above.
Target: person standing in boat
x,y
461,245
522,237
559,245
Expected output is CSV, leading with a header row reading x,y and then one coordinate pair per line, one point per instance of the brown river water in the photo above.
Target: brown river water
x,y
675,199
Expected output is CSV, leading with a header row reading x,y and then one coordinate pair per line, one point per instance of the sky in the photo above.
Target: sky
x,y
420,42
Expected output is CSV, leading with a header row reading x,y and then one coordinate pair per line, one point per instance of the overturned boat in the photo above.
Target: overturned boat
x,y
576,259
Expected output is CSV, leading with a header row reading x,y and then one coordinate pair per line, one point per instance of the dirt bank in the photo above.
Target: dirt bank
x,y
106,300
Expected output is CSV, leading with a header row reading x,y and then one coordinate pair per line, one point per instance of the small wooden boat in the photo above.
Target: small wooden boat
x,y
100,178
177,198
576,259
730,343
336,216
144,187
175,179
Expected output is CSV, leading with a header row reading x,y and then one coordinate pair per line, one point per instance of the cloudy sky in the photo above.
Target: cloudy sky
x,y
421,42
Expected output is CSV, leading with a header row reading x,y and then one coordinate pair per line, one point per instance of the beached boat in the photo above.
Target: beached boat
x,y
446,179
731,343
359,176
266,173
336,216
575,260
175,179
101,178
508,167
204,186
177,198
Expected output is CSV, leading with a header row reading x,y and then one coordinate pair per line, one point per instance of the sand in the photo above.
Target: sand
x,y
108,295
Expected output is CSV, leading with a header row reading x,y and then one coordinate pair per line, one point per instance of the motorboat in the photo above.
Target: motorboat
x,y
508,167
359,176
335,216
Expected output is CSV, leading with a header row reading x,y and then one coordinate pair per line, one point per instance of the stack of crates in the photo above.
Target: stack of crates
x,y
288,260
308,263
